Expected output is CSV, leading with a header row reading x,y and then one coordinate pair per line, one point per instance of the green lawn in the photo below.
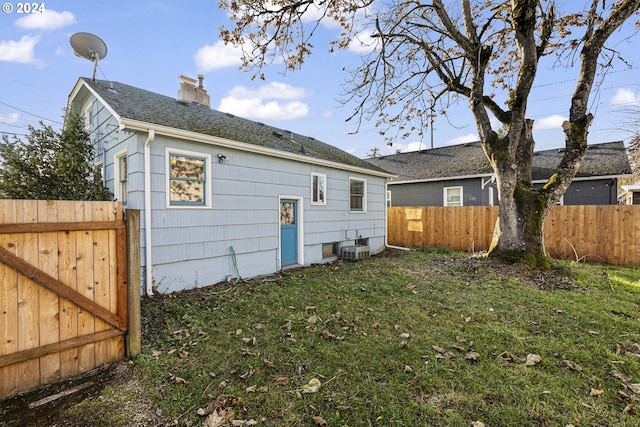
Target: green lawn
x,y
431,338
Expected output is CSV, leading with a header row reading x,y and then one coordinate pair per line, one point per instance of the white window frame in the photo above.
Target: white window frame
x,y
388,192
315,195
446,199
207,179
88,119
364,196
117,184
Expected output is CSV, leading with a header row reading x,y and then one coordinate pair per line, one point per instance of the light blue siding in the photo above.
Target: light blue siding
x,y
192,246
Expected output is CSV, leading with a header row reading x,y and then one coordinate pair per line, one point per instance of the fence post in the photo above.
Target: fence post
x,y
134,334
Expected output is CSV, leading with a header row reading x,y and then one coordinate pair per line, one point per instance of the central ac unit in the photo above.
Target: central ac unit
x,y
354,253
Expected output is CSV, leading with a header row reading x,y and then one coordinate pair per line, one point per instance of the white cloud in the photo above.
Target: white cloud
x,y
552,122
271,90
10,119
363,42
216,56
470,137
625,97
18,51
398,147
47,20
264,103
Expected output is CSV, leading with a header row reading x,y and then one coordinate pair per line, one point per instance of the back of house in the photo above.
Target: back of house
x,y
222,197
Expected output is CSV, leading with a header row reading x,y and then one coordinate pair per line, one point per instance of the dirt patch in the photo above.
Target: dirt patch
x,y
109,395
469,268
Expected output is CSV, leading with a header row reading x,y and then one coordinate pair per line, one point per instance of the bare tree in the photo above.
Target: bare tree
x,y
427,53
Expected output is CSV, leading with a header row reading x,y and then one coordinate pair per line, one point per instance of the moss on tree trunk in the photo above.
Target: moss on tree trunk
x,y
520,236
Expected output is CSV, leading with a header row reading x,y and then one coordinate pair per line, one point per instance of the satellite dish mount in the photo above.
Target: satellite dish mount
x,y
89,46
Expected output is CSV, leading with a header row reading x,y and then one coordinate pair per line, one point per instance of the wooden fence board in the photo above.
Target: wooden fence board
x,y
68,310
609,233
28,330
8,309
48,309
84,277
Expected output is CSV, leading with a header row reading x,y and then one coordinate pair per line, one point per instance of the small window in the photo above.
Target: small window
x,y
121,178
88,117
357,195
187,180
388,198
453,196
318,189
329,250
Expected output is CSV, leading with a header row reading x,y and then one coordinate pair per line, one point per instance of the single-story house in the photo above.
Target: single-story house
x,y
460,175
221,196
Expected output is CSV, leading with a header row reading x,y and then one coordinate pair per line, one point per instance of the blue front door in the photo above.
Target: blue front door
x,y
288,232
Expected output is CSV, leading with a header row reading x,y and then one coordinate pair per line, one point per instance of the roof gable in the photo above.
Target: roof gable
x,y
467,160
129,102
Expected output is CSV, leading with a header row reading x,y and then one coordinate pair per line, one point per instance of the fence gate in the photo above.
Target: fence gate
x,y
63,290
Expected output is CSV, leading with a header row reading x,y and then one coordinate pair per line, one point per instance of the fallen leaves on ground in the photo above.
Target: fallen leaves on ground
x,y
510,357
572,365
312,386
532,359
472,355
218,418
320,421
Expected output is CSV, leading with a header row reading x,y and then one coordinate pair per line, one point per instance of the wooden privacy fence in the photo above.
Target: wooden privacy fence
x,y
608,234
63,290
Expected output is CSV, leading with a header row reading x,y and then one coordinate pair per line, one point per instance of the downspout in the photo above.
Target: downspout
x,y
386,222
147,212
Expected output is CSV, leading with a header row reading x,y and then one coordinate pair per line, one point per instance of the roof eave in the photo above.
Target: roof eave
x,y
444,178
82,83
588,178
136,125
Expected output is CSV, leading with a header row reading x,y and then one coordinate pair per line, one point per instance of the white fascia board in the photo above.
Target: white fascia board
x,y
215,140
79,85
445,178
587,178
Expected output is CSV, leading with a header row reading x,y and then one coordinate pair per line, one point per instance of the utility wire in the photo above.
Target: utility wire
x,y
31,114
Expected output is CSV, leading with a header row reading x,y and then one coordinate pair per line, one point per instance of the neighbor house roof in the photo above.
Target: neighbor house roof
x,y
468,160
131,104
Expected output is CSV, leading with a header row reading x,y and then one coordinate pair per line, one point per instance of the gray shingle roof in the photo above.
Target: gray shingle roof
x,y
607,159
142,105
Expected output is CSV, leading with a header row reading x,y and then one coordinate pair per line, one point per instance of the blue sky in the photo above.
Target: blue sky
x,y
151,43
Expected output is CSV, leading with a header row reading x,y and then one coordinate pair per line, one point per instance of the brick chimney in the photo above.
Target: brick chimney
x,y
189,92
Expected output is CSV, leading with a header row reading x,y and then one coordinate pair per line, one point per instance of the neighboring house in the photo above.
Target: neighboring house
x,y
632,194
221,196
460,175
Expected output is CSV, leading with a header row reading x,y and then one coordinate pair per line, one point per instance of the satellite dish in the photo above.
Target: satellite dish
x,y
89,46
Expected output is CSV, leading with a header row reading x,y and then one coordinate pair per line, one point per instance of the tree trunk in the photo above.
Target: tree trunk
x,y
519,232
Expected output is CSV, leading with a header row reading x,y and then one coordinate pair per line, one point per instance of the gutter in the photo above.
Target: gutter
x,y
147,213
136,125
